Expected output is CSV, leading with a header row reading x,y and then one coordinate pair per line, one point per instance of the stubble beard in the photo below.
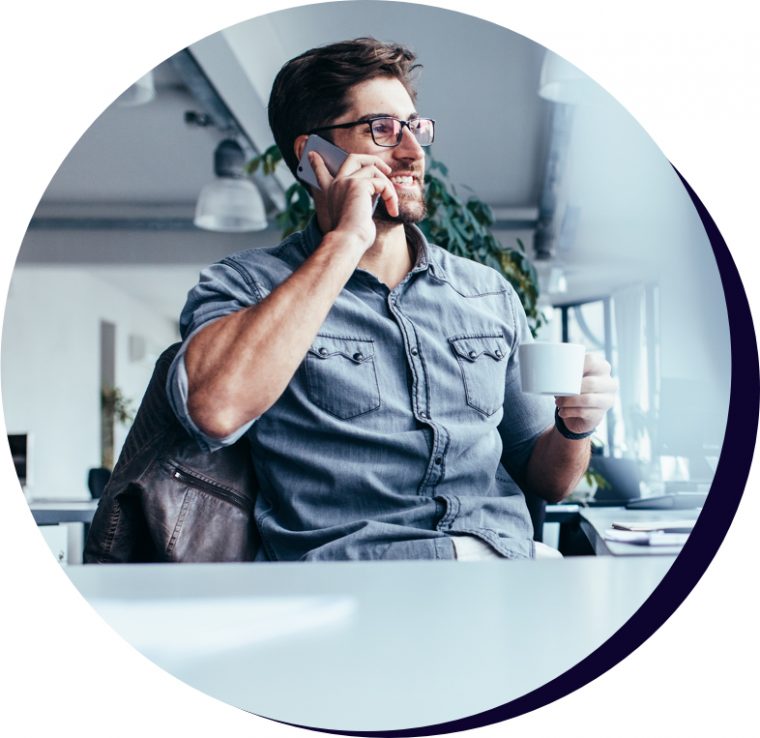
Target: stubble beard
x,y
411,206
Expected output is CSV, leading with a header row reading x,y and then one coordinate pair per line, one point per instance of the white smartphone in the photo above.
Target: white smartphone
x,y
333,157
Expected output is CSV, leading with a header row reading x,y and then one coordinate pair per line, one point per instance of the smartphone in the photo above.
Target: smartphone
x,y
333,157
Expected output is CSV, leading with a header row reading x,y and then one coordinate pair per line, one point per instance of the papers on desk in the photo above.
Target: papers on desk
x,y
654,533
663,526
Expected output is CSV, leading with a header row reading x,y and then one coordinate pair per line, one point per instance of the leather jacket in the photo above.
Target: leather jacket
x,y
169,501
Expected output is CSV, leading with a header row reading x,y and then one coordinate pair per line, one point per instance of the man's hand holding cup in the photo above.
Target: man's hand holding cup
x,y
582,384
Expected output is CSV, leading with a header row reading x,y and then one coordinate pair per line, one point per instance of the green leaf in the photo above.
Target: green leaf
x,y
434,164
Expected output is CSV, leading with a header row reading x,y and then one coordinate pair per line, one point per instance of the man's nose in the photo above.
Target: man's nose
x,y
408,148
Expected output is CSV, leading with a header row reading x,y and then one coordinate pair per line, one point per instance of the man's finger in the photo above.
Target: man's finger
x,y
595,384
356,162
324,178
577,402
595,363
587,413
384,187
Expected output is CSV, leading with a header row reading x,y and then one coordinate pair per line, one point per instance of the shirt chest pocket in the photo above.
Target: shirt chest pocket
x,y
341,377
482,361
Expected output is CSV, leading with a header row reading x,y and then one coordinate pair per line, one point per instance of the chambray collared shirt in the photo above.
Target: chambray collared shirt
x,y
388,440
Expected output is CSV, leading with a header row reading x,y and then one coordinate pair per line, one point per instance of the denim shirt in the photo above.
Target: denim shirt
x,y
391,435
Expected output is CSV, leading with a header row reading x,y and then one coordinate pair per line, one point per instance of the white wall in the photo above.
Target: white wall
x,y
51,367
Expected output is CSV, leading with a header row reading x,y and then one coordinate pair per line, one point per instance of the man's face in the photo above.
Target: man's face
x,y
387,96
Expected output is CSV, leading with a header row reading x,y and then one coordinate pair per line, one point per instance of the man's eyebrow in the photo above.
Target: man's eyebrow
x,y
369,116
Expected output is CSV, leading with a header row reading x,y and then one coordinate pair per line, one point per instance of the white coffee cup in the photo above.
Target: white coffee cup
x,y
548,368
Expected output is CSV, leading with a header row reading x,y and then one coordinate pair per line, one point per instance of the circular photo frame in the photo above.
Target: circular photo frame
x,y
564,172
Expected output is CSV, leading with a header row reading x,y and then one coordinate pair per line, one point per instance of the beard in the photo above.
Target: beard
x,y
411,209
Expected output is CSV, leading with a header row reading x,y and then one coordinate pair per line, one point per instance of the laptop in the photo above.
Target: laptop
x,y
623,477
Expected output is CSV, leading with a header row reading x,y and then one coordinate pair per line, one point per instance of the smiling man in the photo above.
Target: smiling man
x,y
375,375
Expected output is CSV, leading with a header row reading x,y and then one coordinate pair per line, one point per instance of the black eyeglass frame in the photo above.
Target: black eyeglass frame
x,y
370,121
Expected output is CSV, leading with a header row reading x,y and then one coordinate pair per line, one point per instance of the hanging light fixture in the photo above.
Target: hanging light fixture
x,y
231,203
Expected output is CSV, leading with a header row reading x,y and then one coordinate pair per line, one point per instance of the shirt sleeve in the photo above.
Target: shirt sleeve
x,y
526,416
223,288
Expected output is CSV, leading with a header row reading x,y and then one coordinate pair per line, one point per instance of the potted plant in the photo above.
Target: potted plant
x,y
115,407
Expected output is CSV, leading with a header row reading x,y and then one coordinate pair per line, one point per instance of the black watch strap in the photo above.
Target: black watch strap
x,y
559,424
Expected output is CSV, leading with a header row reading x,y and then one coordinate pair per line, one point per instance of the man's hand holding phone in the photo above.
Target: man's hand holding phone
x,y
351,192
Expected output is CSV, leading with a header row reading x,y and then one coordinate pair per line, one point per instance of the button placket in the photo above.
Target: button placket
x,y
435,468
419,400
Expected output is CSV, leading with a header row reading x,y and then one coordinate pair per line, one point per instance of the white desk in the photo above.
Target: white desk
x,y
59,519
54,512
370,646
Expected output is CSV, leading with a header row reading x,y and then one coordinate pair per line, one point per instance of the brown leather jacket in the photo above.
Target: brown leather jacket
x,y
167,500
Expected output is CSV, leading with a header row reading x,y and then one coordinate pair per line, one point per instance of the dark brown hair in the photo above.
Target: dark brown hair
x,y
311,90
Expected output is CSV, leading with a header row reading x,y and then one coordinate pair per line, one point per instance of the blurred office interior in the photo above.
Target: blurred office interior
x,y
623,262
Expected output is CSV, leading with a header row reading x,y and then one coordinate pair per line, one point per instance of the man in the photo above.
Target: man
x,y
375,375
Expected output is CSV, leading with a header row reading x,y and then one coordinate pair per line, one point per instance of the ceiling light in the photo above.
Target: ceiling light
x,y
557,280
231,203
552,279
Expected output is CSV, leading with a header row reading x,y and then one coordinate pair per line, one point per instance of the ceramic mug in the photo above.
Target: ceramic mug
x,y
548,368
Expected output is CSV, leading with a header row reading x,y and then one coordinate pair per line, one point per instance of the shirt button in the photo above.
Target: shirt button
x,y
323,351
439,460
423,414
358,356
498,353
414,351
472,354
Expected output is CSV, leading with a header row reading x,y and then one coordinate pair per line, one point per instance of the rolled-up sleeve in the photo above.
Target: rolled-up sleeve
x,y
223,288
526,416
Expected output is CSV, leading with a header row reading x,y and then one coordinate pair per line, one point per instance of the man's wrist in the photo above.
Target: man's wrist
x,y
565,432
346,241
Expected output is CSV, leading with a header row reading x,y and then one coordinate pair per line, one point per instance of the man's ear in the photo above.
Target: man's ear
x,y
299,144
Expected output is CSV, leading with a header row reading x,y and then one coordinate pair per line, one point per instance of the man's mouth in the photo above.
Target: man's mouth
x,y
404,180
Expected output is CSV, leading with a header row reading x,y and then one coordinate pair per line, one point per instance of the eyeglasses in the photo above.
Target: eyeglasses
x,y
387,131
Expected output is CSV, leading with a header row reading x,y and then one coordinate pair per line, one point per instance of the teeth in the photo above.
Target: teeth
x,y
403,180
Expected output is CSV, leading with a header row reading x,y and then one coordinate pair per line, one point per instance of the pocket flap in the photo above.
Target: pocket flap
x,y
473,347
357,350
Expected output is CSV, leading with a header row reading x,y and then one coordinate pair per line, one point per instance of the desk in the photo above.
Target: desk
x,y
67,545
595,520
54,512
370,645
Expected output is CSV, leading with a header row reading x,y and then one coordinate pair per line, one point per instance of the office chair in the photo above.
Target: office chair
x,y
97,479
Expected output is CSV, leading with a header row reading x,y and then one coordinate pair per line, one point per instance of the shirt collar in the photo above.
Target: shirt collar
x,y
423,257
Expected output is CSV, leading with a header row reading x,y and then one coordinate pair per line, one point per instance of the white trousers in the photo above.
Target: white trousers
x,y
470,548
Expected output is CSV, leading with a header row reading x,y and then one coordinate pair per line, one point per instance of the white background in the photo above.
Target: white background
x,y
687,71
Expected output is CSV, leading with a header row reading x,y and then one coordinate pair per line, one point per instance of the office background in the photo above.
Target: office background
x,y
111,251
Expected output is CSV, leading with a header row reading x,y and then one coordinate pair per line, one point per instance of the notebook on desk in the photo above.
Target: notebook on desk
x,y
665,526
650,532
646,538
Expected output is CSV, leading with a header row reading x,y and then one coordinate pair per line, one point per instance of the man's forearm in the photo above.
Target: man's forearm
x,y
556,465
239,365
